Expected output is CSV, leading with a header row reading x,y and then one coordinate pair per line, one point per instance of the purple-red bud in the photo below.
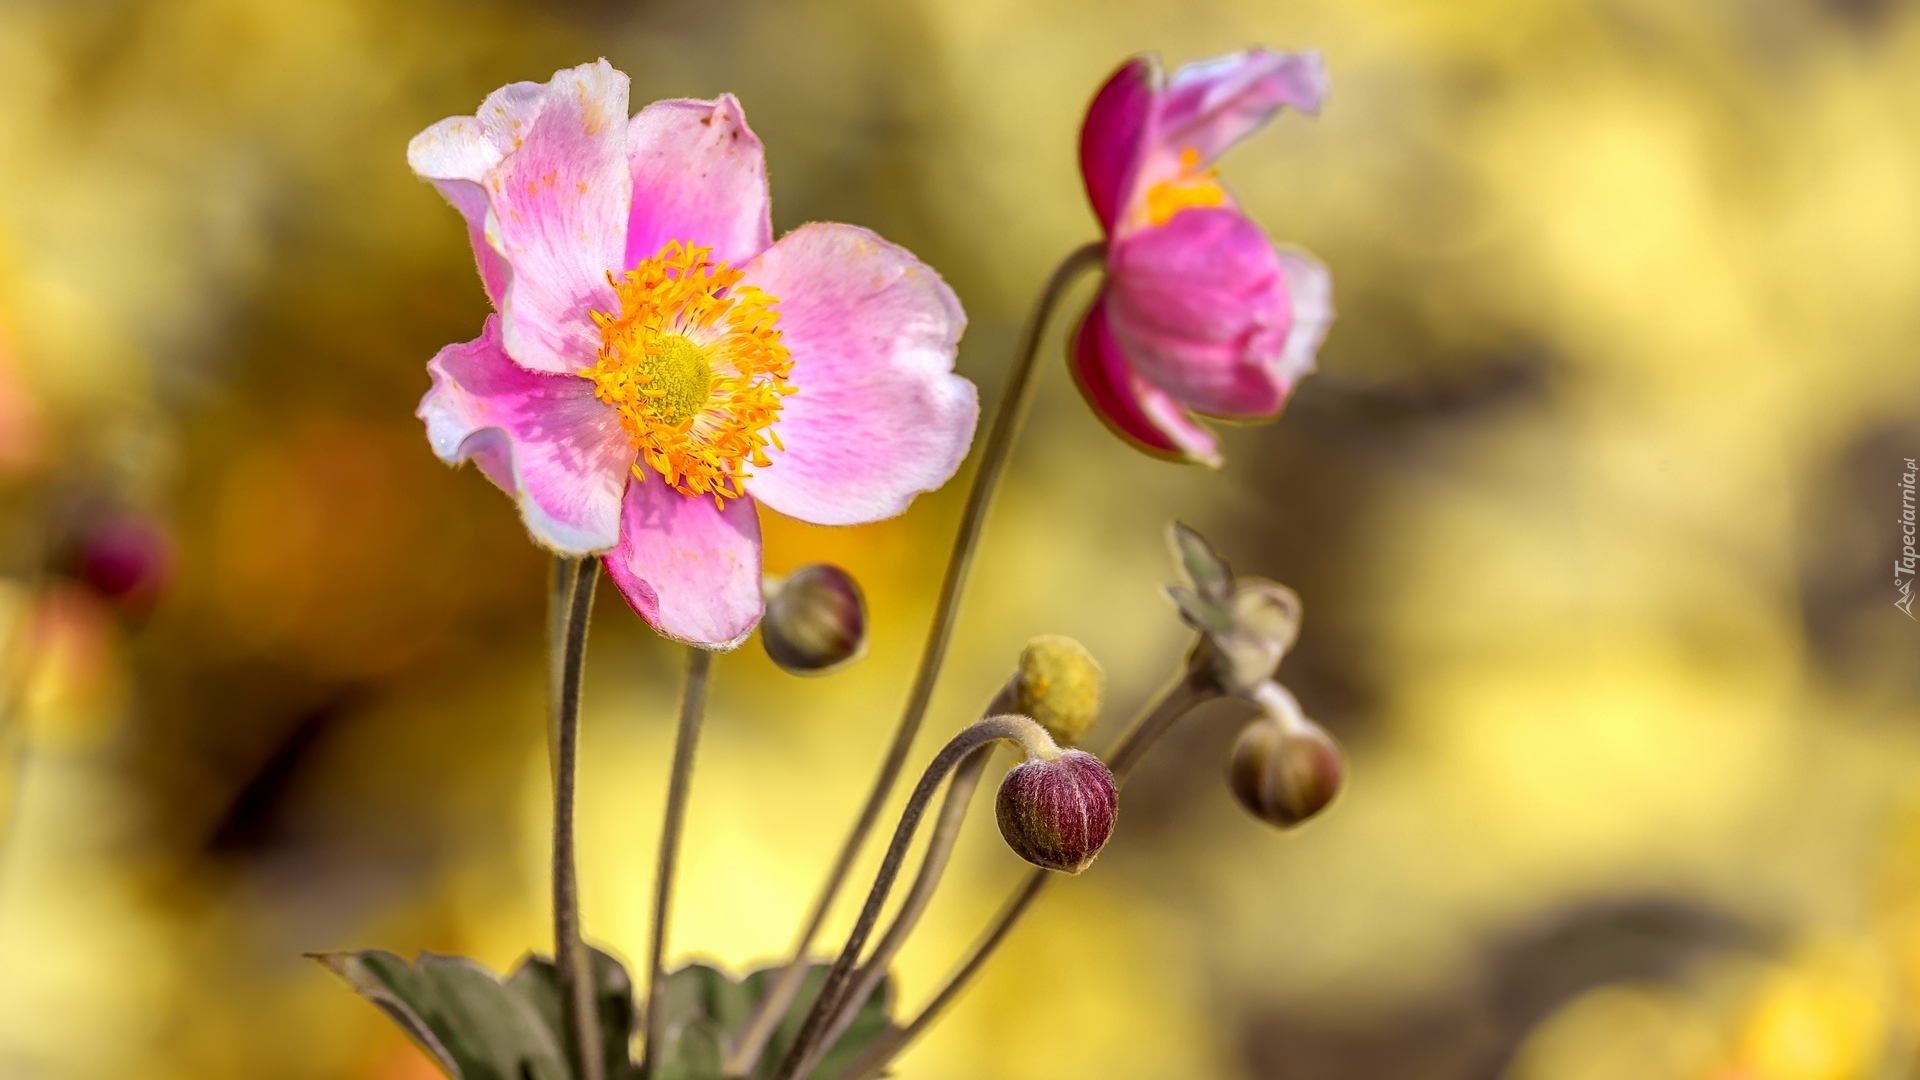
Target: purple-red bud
x,y
126,559
816,620
1285,773
1058,813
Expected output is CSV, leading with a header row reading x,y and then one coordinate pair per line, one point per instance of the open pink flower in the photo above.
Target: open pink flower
x,y
1199,314
658,364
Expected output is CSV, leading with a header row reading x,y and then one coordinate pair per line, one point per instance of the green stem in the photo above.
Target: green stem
x,y
1037,743
1192,689
993,462
575,582
693,708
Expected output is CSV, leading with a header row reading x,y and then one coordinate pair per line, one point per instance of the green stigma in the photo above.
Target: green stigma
x,y
679,379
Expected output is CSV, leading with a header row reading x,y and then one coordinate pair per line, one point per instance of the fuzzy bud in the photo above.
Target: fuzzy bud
x,y
1059,685
1057,813
1285,768
816,620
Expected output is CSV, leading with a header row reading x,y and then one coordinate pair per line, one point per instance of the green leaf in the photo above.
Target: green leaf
x,y
1200,564
1209,618
462,1015
479,1028
707,1010
696,1049
538,982
868,1025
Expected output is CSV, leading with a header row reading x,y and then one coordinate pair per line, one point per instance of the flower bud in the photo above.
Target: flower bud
x,y
1246,624
1285,768
816,620
126,559
1059,685
1057,813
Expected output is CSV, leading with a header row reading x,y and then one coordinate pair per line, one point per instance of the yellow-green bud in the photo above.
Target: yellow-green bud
x,y
1059,685
816,620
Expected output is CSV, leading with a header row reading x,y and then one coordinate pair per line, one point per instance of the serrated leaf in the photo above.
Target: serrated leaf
x,y
538,982
1204,569
473,1025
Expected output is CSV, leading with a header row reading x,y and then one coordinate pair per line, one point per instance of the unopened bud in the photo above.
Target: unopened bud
x,y
1285,768
1246,624
816,620
126,559
1059,685
1058,813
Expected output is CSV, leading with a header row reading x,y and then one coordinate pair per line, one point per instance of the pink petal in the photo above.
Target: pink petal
x,y
1114,136
559,203
1171,417
1134,410
1310,295
878,416
689,568
459,152
1200,307
700,177
544,439
1210,105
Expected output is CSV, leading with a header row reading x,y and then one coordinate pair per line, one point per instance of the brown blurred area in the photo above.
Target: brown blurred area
x,y
1593,507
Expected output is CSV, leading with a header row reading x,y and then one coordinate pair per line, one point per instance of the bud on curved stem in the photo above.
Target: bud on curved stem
x,y
1057,679
808,1046
1194,688
1285,768
816,620
1058,814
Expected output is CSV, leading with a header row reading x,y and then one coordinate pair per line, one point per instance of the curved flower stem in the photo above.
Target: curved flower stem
x,y
693,708
993,462
1192,689
946,831
575,584
1037,743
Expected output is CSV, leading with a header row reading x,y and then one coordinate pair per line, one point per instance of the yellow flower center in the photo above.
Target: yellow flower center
x,y
1192,186
694,366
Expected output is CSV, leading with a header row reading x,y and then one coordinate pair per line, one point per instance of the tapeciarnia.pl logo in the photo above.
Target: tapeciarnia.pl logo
x,y
1904,566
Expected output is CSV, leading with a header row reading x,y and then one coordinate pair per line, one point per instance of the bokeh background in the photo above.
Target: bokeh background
x,y
1593,508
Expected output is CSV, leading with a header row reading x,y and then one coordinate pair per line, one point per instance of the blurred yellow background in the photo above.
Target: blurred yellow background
x,y
1592,508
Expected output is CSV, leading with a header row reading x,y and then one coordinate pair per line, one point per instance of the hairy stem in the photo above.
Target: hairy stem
x,y
946,832
693,707
570,950
1033,738
1192,689
993,462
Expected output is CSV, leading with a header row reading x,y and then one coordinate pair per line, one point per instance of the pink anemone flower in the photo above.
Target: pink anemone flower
x,y
1200,313
657,364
